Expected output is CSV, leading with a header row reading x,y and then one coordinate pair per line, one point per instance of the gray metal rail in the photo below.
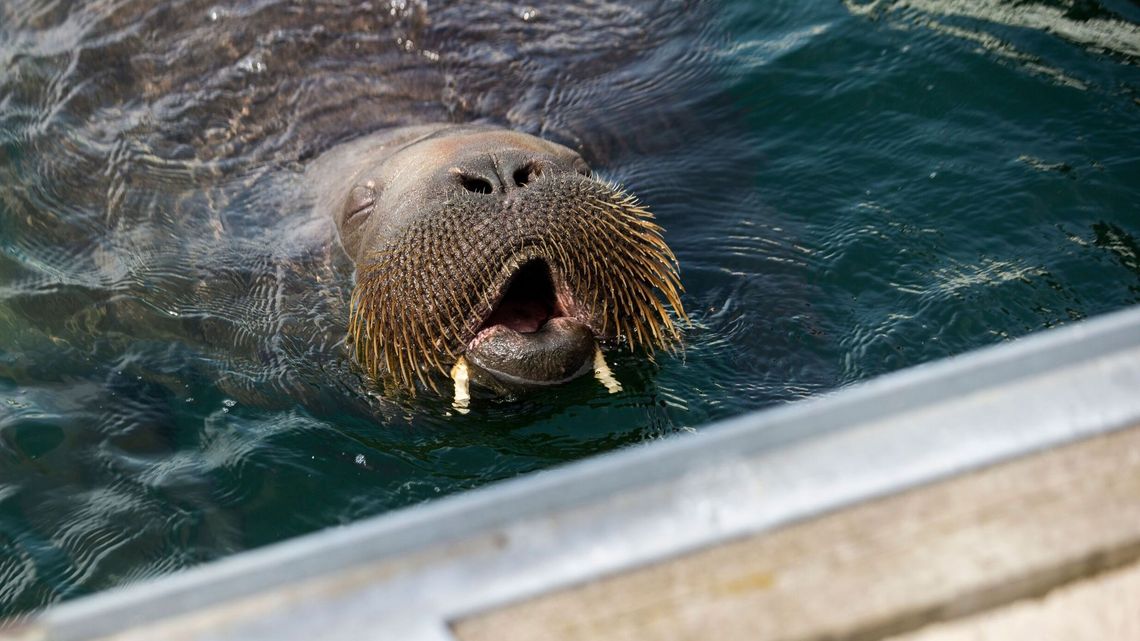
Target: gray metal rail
x,y
407,574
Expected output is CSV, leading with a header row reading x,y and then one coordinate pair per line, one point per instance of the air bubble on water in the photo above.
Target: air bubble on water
x,y
360,460
229,402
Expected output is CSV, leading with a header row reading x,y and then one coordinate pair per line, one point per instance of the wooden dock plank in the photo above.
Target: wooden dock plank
x,y
934,553
1104,607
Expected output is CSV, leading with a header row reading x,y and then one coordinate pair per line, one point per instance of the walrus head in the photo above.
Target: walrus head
x,y
479,245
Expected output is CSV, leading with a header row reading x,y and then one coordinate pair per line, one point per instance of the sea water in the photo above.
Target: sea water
x,y
851,188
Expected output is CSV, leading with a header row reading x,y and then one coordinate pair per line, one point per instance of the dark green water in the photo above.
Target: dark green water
x,y
851,188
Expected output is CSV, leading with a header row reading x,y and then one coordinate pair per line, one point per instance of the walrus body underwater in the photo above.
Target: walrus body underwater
x,y
491,254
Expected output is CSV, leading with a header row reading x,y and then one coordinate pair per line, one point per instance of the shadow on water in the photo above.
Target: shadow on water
x,y
851,188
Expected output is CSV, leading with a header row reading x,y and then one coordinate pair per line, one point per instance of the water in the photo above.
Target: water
x,y
851,188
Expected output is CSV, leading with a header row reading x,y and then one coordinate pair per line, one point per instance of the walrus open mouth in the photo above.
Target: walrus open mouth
x,y
521,287
529,337
529,300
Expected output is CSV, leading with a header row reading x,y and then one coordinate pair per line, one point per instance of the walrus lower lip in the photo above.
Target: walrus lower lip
x,y
560,350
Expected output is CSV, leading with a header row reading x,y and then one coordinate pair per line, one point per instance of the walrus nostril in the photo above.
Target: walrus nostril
x,y
526,174
475,184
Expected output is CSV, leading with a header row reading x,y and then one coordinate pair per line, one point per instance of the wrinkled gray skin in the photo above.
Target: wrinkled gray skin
x,y
374,187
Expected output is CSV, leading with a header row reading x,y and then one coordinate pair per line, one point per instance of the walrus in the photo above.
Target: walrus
x,y
492,255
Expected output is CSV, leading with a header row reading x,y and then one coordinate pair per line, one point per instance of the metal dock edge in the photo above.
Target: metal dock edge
x,y
419,573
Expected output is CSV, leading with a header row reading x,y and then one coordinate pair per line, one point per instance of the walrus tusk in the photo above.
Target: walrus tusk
x,y
602,372
462,379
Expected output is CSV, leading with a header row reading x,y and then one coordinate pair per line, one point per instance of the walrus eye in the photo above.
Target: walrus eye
x,y
361,201
527,173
